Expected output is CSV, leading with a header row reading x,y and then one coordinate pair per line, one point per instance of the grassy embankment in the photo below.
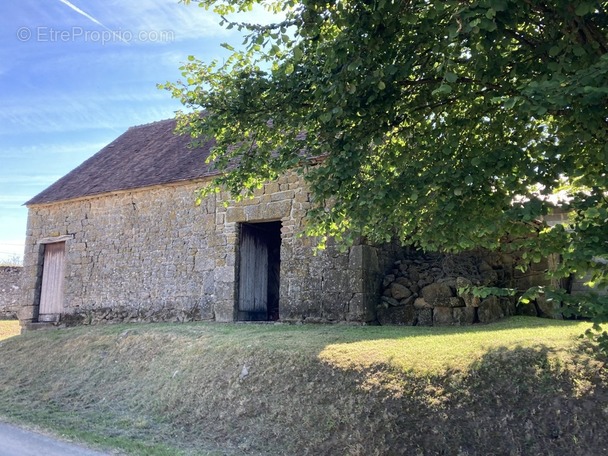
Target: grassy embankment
x,y
522,386
9,328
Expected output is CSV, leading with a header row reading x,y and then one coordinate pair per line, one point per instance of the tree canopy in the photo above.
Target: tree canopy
x,y
445,124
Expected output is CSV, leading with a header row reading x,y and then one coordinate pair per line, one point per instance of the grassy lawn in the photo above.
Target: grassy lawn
x,y
521,386
9,328
436,350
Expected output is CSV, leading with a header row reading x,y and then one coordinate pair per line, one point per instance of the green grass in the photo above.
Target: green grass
x,y
436,350
312,389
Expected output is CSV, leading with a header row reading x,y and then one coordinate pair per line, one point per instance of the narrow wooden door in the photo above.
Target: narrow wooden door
x,y
51,293
253,276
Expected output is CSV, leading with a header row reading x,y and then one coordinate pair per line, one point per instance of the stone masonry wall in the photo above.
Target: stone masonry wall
x,y
429,289
10,291
423,289
152,255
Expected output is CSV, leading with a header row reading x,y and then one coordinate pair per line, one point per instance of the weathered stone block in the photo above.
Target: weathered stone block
x,y
549,308
388,279
280,196
387,301
408,301
456,302
424,316
272,187
361,307
437,294
355,257
442,316
420,303
276,210
402,315
508,306
399,291
204,262
464,315
335,305
404,281
490,310
335,281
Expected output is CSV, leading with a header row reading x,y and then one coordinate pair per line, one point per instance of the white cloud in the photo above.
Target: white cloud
x,y
186,21
81,12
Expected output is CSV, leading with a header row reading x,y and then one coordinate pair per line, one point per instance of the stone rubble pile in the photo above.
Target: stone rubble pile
x,y
423,289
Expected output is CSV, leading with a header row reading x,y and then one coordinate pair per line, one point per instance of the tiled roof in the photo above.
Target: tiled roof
x,y
143,156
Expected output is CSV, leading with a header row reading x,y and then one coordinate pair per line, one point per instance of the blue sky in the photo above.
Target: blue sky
x,y
76,74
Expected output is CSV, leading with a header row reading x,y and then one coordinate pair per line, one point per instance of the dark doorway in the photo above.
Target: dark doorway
x,y
259,271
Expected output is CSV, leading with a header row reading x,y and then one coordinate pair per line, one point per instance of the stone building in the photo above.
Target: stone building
x,y
120,238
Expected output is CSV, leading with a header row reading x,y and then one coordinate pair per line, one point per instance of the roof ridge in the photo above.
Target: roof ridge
x,y
150,123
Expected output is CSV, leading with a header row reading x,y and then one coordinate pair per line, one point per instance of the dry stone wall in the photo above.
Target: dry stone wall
x,y
423,289
10,291
152,255
427,289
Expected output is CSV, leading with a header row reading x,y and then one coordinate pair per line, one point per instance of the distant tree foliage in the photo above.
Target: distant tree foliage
x,y
445,124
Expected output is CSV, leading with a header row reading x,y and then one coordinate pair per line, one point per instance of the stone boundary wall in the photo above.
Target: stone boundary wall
x,y
423,289
10,291
152,255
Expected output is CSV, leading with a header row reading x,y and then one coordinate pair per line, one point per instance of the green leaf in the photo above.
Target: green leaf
x,y
443,89
584,8
451,77
510,103
325,117
579,51
555,50
499,5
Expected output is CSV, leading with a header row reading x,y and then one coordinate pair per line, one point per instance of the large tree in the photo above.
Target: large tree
x,y
446,124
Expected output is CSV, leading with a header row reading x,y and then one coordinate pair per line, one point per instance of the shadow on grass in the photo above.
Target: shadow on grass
x,y
267,390
516,401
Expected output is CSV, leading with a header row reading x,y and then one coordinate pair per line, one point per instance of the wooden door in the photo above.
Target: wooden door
x,y
51,293
253,275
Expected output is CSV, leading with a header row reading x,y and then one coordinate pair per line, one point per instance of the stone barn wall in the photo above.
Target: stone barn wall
x,y
152,255
10,291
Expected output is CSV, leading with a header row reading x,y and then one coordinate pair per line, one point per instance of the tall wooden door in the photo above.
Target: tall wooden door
x,y
253,275
259,271
51,293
